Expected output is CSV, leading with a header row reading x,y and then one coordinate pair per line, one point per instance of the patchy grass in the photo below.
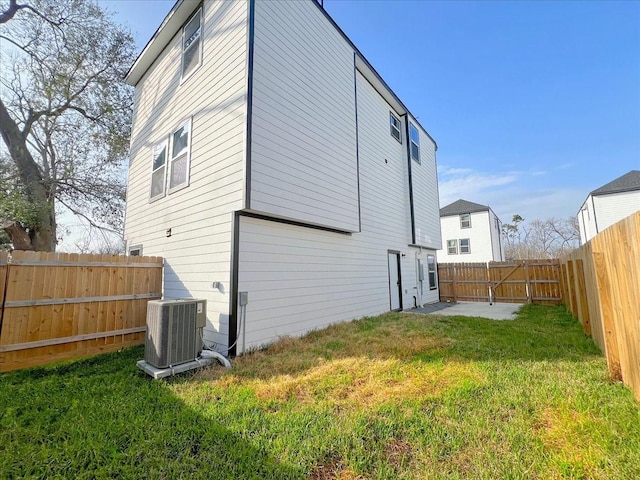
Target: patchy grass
x,y
395,396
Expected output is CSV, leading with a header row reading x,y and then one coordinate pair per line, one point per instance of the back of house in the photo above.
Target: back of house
x,y
277,174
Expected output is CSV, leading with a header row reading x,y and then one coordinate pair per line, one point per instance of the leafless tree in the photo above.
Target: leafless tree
x,y
549,238
65,117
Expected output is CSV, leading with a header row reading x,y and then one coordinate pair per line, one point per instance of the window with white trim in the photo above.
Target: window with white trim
x,y
158,174
465,245
192,44
465,220
395,126
414,140
179,164
431,266
135,251
452,247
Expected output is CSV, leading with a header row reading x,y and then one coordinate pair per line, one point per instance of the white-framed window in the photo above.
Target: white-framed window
x,y
452,247
179,163
431,266
465,245
159,169
192,44
414,139
395,125
465,220
135,251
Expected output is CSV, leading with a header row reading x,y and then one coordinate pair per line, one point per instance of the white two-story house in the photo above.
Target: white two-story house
x,y
278,175
470,233
609,204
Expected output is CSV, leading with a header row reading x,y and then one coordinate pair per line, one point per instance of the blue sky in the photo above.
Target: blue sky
x,y
533,104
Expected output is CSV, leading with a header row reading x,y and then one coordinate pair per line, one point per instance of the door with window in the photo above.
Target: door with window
x,y
395,281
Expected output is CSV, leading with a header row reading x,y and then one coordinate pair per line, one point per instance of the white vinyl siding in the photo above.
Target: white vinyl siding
x,y
303,157
198,251
300,278
609,209
426,203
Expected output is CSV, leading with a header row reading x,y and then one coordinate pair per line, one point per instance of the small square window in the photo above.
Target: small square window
x,y
135,251
414,137
192,44
465,220
465,245
452,247
395,125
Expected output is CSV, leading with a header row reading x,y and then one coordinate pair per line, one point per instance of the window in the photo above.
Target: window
x,y
180,140
431,264
159,168
452,247
135,251
465,245
414,138
395,127
465,220
192,44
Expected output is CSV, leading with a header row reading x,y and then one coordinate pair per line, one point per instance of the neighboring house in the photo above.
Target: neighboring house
x,y
470,233
268,157
609,204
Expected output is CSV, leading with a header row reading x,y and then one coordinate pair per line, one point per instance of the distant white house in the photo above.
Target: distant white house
x,y
278,175
470,233
609,204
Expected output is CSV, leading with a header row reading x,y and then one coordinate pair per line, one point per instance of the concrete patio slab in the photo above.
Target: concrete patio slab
x,y
497,311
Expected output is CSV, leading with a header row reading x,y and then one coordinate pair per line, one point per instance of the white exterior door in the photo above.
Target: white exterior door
x,y
394,281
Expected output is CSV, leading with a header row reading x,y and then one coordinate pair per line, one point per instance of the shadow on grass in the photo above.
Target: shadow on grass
x,y
102,418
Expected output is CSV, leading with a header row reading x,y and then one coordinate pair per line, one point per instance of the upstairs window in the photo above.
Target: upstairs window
x,y
192,44
465,220
452,247
431,264
179,166
395,127
159,170
465,245
414,137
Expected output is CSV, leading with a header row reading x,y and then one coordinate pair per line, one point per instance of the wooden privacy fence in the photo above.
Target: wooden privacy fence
x,y
58,306
603,292
522,281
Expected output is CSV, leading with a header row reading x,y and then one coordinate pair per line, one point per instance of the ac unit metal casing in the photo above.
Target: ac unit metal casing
x,y
174,331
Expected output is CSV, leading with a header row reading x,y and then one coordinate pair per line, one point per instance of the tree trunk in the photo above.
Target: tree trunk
x,y
42,235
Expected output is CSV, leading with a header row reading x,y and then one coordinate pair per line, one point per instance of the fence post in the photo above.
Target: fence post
x,y
527,285
583,306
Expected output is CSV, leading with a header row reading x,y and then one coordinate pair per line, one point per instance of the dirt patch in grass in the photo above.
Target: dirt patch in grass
x,y
398,453
333,469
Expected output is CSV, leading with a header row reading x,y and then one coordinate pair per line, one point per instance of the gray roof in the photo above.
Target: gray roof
x,y
627,182
462,206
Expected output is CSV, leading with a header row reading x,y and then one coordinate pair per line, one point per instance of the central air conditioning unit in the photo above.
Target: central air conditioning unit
x,y
174,331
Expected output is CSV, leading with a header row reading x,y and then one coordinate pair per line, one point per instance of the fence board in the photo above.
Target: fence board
x,y
605,296
57,305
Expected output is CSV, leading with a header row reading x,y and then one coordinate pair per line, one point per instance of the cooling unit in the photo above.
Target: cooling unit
x,y
174,331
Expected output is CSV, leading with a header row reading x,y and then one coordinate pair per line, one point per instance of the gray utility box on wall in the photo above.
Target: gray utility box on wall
x,y
174,331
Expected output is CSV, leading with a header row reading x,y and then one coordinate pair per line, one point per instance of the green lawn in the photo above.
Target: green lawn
x,y
396,396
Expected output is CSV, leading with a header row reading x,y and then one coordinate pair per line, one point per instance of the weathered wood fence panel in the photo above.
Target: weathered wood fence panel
x,y
522,281
59,306
463,281
603,283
